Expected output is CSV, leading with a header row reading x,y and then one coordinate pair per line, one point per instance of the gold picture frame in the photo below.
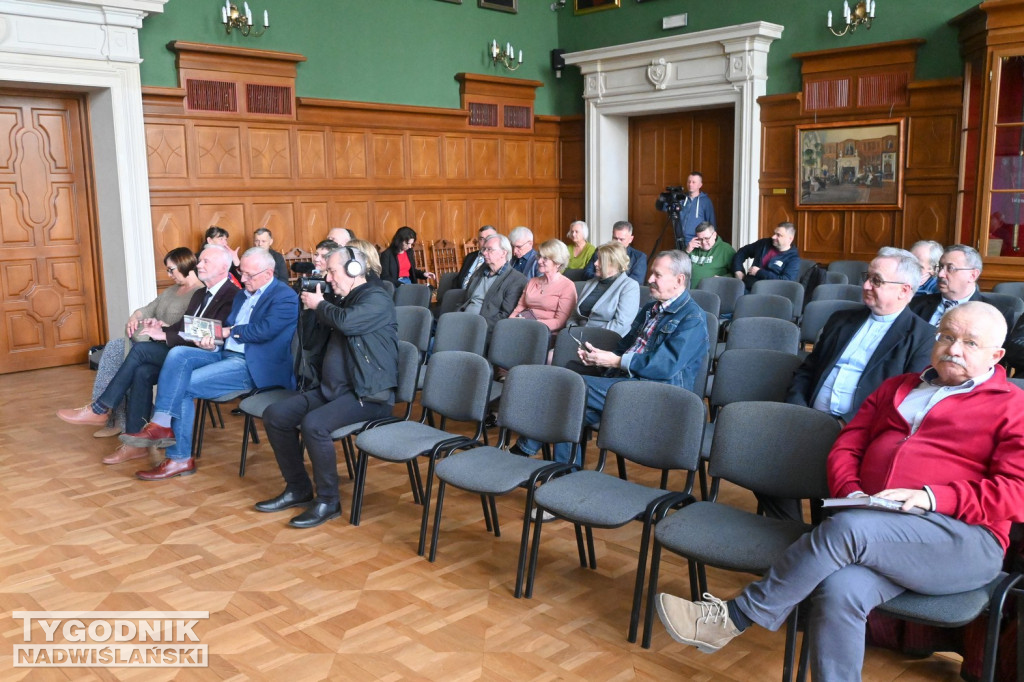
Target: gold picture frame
x,y
588,6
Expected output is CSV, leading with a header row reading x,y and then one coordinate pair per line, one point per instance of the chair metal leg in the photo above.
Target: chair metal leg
x,y
579,544
245,444
357,489
426,507
487,512
590,547
702,581
638,586
652,591
664,479
494,516
251,430
702,472
197,434
346,449
622,467
414,481
538,525
220,417
437,519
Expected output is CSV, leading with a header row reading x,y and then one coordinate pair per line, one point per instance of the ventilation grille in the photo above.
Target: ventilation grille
x,y
832,94
882,89
206,95
518,117
268,99
481,114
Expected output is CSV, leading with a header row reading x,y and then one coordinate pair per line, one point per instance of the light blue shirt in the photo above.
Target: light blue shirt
x,y
836,394
940,310
243,316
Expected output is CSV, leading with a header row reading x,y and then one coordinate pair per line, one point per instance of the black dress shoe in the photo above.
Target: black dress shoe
x,y
319,513
285,500
491,421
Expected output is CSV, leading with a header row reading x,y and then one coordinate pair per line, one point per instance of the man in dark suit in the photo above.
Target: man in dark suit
x,y
474,259
959,270
256,353
494,289
264,239
622,232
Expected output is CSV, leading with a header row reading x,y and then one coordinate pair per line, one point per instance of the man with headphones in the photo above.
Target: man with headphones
x,y
357,383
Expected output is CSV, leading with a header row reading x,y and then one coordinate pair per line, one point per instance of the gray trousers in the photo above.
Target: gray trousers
x,y
854,561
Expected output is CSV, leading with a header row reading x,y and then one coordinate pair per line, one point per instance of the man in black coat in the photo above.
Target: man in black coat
x,y
474,259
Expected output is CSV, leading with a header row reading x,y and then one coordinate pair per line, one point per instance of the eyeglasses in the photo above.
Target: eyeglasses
x,y
171,269
876,280
246,276
490,250
520,245
949,268
967,344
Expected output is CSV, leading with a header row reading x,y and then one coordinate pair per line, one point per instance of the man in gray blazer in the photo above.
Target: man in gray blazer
x,y
494,289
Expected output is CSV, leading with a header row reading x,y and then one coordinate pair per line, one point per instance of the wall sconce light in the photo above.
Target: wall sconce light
x,y
506,56
861,14
557,5
233,19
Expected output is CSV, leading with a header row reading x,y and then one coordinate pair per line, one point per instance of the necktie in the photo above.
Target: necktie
x,y
206,302
947,304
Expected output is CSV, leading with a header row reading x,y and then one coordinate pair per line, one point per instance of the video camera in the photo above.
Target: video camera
x,y
671,201
311,281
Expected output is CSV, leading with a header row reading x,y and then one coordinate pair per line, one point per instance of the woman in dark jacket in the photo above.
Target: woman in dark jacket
x,y
397,263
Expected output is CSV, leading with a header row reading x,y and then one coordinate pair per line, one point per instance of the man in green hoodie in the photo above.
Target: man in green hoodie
x,y
710,255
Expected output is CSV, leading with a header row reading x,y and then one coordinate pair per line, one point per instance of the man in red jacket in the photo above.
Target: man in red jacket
x,y
948,443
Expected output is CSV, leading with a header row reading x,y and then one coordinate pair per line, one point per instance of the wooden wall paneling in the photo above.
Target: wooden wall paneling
x,y
484,159
425,157
483,212
928,216
270,154
350,154
778,208
820,234
778,154
456,157
427,220
515,160
218,152
279,218
571,160
544,222
388,156
931,145
456,225
870,231
311,146
172,227
388,216
517,212
353,215
545,155
312,227
166,151
226,214
570,209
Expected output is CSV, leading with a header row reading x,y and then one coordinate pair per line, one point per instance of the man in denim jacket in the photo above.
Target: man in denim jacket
x,y
667,343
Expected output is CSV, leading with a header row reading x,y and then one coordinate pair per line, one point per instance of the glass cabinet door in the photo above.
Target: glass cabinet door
x,y
1006,184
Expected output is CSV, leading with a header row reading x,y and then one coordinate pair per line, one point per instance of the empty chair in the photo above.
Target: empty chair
x,y
794,291
253,408
836,278
816,314
461,331
517,341
853,269
452,301
1008,304
764,332
708,300
413,294
805,265
841,292
729,290
445,284
671,419
763,305
542,403
388,287
1012,288
414,323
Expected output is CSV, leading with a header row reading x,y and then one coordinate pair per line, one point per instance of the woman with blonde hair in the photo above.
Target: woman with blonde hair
x,y
550,296
611,299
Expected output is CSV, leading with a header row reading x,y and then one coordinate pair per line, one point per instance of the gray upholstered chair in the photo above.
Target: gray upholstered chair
x,y
671,419
708,300
413,294
517,341
461,331
816,314
763,305
452,301
1012,288
763,332
853,269
842,292
729,290
794,291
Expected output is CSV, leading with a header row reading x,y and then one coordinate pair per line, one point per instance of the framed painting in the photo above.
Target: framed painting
x,y
588,6
454,2
500,5
850,165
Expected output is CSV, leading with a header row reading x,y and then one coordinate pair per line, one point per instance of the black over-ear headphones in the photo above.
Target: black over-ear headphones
x,y
353,268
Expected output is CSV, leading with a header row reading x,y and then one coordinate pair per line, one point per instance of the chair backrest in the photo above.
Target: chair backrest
x,y
841,292
764,332
419,254
836,278
444,283
294,256
670,419
851,268
518,341
794,291
414,325
544,403
453,300
444,257
776,449
708,300
388,287
579,286
645,296
1012,288
745,374
566,343
408,369
816,314
763,305
805,265
729,290
1006,302
468,247
461,331
457,385
413,294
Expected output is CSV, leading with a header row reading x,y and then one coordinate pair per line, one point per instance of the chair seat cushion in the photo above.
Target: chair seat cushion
x,y
488,470
402,441
726,537
257,403
596,499
947,610
347,430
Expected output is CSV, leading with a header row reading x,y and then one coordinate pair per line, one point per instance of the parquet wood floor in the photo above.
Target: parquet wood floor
x,y
336,602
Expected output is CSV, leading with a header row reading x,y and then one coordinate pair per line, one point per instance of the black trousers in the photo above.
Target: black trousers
x,y
135,378
318,417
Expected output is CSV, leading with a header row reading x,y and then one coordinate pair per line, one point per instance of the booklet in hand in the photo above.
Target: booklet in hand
x,y
197,328
868,502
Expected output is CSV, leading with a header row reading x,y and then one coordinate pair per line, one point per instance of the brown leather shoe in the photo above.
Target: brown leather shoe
x,y
125,453
151,434
169,468
83,415
108,431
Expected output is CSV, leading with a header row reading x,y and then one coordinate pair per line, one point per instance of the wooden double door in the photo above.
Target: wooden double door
x,y
49,284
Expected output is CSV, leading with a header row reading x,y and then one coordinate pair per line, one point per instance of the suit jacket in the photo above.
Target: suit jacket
x,y
615,310
503,296
925,306
280,267
219,309
906,347
268,335
467,263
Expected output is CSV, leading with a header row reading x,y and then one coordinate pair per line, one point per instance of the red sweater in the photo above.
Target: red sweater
x,y
969,450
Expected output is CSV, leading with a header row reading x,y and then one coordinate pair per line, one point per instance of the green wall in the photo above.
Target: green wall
x,y
408,51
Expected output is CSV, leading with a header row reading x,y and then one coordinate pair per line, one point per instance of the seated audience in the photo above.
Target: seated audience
x,y
219,236
959,270
945,444
264,239
524,257
398,263
622,232
773,257
711,255
494,290
668,343
474,259
168,308
928,254
256,353
581,253
357,380
612,298
549,297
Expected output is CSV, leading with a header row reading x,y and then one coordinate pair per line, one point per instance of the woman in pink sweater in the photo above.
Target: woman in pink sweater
x,y
550,297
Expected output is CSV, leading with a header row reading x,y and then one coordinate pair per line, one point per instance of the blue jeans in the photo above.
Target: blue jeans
x,y
190,373
597,394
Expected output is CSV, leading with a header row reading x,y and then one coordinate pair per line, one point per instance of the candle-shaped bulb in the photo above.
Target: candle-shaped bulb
x,y
830,18
520,56
223,15
266,19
